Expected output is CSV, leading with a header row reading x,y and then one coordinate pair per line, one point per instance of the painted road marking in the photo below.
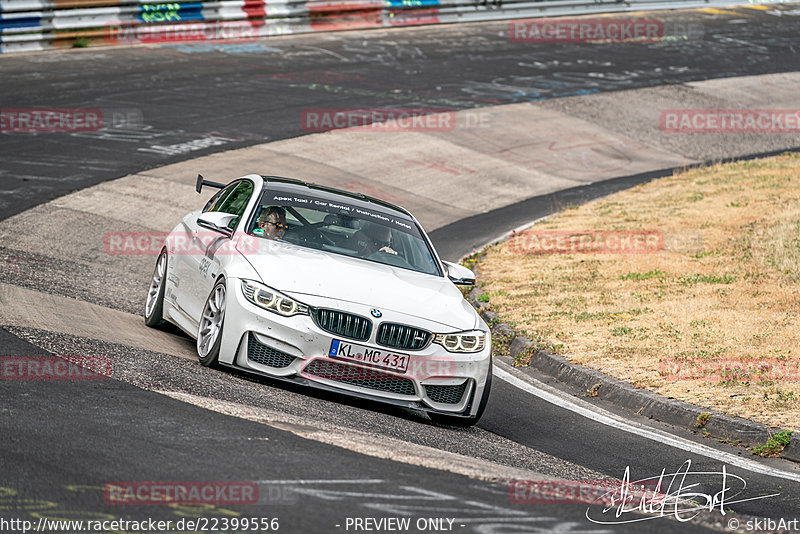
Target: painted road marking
x,y
413,501
548,394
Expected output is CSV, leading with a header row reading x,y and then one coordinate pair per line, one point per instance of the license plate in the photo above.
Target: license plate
x,y
375,357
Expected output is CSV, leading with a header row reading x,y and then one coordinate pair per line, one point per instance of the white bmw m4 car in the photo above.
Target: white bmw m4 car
x,y
325,288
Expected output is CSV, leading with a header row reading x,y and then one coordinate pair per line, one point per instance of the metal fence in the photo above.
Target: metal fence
x,y
27,25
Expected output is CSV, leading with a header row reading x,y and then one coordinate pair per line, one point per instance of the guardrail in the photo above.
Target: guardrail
x,y
27,25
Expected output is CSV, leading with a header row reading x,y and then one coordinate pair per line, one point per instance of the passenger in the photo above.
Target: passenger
x,y
375,238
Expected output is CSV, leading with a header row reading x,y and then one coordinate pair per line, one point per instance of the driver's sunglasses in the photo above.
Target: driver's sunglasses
x,y
279,226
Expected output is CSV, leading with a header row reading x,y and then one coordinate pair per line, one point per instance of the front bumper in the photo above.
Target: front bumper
x,y
295,349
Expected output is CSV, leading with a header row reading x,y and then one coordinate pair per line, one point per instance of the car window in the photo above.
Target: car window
x,y
214,200
352,230
236,202
217,200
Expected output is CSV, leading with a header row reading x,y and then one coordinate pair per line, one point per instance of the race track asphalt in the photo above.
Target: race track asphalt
x,y
62,441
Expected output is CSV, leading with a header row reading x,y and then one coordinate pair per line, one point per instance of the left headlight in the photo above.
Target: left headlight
x,y
272,300
472,341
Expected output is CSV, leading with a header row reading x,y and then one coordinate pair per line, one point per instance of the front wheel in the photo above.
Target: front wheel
x,y
209,334
154,305
450,420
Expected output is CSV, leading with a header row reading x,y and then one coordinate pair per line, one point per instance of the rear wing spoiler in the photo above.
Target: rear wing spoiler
x,y
202,181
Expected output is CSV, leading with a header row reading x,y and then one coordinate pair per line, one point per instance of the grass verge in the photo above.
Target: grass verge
x,y
774,445
701,305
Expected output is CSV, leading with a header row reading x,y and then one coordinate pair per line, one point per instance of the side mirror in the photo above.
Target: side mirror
x,y
459,274
217,221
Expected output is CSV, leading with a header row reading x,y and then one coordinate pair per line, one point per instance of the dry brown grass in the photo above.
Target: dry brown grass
x,y
712,319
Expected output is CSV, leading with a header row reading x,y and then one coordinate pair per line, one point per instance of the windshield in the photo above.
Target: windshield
x,y
341,228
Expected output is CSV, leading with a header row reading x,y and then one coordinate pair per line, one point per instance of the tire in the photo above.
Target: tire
x,y
212,320
154,305
450,420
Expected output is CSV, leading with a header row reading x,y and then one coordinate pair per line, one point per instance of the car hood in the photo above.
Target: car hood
x,y
298,272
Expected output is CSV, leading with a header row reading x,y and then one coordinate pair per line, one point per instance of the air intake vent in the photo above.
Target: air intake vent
x,y
260,353
446,394
343,324
364,377
404,337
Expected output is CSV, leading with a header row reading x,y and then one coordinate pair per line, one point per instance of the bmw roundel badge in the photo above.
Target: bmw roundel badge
x,y
375,312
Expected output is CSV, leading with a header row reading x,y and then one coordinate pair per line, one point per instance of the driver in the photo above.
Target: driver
x,y
272,222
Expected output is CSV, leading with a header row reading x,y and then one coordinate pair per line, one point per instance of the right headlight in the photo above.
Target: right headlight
x,y
272,300
471,341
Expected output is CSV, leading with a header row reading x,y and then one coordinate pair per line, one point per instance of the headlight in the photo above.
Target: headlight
x,y
472,341
271,300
